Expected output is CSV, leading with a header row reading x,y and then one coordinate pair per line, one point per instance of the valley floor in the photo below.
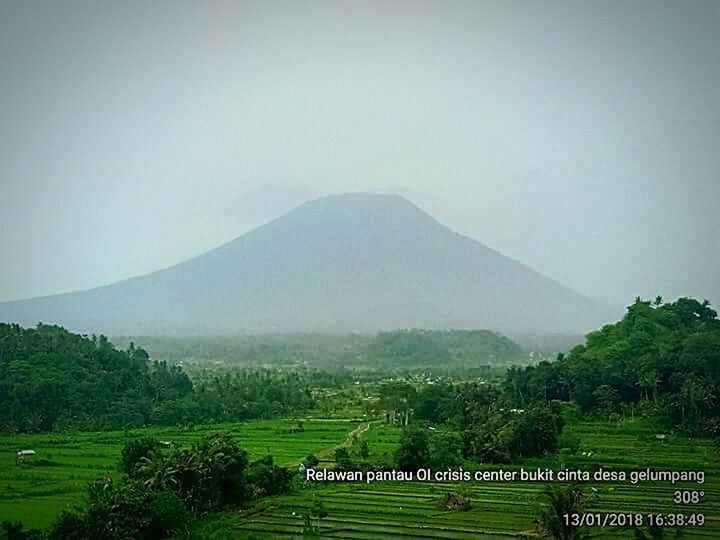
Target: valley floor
x,y
56,478
499,510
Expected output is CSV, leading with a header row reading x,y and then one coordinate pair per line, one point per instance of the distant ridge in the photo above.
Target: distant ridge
x,y
354,262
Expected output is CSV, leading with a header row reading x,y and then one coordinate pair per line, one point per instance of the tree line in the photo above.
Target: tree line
x,y
405,348
661,360
471,422
162,491
52,379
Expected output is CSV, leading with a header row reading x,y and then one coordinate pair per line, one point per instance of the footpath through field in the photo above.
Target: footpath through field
x,y
327,454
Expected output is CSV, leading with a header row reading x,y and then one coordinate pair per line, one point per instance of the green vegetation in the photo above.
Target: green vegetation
x,y
641,393
51,379
56,478
475,421
394,510
467,349
422,348
661,360
136,451
562,501
165,489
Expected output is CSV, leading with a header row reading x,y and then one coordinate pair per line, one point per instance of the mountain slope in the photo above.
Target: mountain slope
x,y
358,262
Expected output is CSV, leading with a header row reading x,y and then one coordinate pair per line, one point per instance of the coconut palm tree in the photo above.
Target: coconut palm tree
x,y
553,521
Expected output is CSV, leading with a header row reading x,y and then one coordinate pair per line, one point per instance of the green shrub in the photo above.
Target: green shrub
x,y
135,451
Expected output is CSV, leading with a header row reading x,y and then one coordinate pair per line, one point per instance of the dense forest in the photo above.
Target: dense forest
x,y
385,350
436,347
452,423
661,359
51,379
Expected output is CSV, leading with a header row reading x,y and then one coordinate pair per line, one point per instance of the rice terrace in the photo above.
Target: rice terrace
x,y
410,510
359,270
57,476
364,423
36,492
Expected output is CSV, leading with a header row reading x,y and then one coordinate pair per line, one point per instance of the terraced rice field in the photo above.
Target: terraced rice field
x,y
382,440
499,510
56,478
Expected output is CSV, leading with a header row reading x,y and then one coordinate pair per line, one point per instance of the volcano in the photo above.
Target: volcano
x,y
342,263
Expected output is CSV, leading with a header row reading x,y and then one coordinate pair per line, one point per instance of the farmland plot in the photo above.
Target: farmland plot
x,y
499,510
56,477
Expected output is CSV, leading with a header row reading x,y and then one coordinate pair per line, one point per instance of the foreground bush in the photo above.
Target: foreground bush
x,y
163,491
122,511
135,451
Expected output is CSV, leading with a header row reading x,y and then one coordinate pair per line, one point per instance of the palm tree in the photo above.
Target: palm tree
x,y
553,521
649,380
157,473
695,394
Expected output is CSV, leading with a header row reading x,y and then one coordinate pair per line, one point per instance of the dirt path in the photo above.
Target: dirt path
x,y
357,432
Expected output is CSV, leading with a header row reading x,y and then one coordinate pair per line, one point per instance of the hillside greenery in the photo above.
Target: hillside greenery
x,y
51,379
661,360
386,350
652,379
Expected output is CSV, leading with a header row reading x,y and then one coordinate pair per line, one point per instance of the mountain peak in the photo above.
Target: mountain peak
x,y
350,262
367,198
370,205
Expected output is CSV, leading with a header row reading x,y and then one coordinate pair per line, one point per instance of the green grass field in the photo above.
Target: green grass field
x,y
500,510
56,478
36,493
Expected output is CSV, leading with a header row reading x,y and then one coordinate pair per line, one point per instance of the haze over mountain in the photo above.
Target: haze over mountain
x,y
355,262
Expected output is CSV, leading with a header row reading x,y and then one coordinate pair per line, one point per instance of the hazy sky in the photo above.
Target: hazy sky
x,y
582,138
